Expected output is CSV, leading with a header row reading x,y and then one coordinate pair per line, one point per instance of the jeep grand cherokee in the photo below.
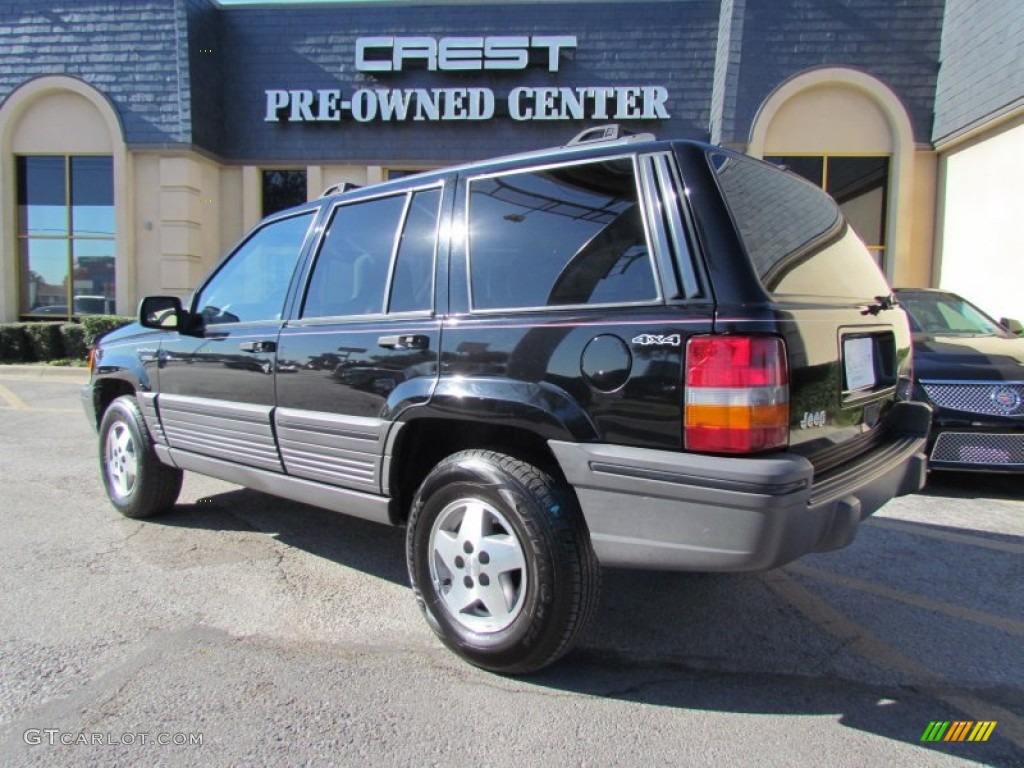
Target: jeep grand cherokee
x,y
618,353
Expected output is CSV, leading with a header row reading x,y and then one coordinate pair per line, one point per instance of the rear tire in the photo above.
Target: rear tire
x,y
137,483
500,561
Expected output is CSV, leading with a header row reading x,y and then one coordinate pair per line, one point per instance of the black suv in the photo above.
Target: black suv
x,y
620,353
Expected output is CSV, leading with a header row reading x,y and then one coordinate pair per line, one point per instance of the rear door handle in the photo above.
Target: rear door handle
x,y
258,346
409,341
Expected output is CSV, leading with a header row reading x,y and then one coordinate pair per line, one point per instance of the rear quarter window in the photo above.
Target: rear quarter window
x,y
795,235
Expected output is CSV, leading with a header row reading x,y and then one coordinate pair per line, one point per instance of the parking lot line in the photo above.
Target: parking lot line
x,y
935,606
863,642
12,400
915,529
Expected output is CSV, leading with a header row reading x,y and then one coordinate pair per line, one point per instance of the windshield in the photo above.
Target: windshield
x,y
946,314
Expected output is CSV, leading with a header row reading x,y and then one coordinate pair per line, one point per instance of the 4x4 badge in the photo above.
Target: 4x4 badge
x,y
653,340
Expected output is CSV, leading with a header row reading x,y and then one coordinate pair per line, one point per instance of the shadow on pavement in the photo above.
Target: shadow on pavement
x,y
715,642
974,485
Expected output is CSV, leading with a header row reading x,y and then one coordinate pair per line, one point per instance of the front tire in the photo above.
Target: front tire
x,y
500,561
137,483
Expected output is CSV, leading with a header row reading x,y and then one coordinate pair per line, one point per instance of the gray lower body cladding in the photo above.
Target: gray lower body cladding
x,y
676,511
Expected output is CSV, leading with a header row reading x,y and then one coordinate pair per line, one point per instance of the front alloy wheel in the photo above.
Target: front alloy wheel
x,y
137,483
121,460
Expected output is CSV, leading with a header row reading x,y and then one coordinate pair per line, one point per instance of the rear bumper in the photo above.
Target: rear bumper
x,y
675,511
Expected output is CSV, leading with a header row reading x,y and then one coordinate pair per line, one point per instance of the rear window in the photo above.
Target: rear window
x,y
566,236
795,234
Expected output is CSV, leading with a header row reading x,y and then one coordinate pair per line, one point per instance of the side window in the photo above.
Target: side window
x,y
560,237
252,284
351,271
413,282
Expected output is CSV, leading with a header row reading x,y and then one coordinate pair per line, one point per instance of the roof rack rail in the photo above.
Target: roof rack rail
x,y
344,186
612,132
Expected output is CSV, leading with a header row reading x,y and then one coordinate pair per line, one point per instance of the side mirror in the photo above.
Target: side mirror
x,y
1013,326
164,313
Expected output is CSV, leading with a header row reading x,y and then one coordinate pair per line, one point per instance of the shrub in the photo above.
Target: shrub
x,y
44,341
13,342
75,347
97,325
47,342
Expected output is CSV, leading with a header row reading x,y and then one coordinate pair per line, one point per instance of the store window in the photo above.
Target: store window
x,y
858,183
283,188
66,235
402,173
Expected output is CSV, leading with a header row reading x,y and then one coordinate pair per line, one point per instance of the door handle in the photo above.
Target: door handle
x,y
258,346
405,341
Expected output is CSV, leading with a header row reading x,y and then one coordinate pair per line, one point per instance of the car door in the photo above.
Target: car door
x,y
216,383
364,343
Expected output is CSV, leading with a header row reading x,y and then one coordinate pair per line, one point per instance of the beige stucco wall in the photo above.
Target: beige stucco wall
x,y
919,221
829,120
980,253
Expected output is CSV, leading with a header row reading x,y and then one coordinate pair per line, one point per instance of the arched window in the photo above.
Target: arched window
x,y
848,133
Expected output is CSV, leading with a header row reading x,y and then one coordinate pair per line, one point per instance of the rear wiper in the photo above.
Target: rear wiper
x,y
881,303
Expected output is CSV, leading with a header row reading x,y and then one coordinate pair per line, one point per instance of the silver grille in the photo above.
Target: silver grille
x,y
979,448
989,398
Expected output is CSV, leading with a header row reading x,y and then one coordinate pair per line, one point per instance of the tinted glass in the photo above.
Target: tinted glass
x,y
92,196
351,270
942,313
413,282
252,284
567,236
44,276
859,185
795,234
42,196
93,264
283,189
811,168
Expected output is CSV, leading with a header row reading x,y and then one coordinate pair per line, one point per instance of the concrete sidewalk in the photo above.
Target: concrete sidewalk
x,y
39,371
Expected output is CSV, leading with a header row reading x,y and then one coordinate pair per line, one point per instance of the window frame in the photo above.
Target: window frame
x,y
69,238
314,213
302,292
879,252
653,255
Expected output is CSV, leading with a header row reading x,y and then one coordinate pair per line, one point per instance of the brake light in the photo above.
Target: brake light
x,y
92,359
737,394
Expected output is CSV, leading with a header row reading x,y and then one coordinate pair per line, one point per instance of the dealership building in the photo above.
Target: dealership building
x,y
140,139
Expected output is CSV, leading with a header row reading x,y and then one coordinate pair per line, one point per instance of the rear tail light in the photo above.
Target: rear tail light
x,y
737,394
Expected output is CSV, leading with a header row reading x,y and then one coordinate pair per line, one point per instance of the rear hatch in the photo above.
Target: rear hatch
x,y
811,281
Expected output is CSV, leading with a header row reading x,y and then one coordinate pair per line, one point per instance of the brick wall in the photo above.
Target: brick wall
x,y
982,63
896,42
130,51
667,44
187,71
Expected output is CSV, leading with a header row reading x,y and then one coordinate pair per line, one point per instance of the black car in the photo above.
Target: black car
x,y
622,352
970,369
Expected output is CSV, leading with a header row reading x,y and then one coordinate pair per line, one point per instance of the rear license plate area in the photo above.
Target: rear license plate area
x,y
869,363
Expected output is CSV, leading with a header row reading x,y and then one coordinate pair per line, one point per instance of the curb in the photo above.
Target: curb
x,y
53,372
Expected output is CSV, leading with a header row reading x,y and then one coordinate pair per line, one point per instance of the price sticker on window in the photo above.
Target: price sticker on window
x,y
859,363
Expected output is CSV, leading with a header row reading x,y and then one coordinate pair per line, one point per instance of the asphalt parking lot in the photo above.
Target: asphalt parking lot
x,y
242,629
